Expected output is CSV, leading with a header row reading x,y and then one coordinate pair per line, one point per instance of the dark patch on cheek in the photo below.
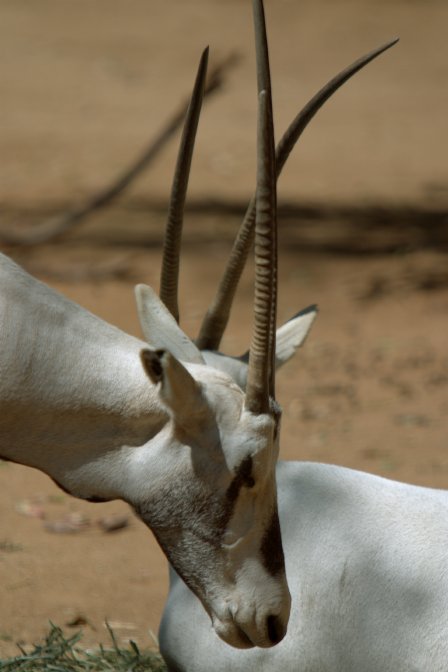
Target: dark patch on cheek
x,y
271,548
243,477
192,546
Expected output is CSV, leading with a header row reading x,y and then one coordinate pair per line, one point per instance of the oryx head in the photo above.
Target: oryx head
x,y
212,502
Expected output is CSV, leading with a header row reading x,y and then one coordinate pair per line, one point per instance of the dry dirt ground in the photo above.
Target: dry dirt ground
x,y
81,85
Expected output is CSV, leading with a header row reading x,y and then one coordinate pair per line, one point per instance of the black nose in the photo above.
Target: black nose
x,y
276,629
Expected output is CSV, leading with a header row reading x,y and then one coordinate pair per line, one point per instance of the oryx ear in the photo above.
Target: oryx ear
x,y
160,329
179,391
293,334
289,338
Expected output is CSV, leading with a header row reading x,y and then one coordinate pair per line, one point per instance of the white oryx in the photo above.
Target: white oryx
x,y
193,454
367,566
165,429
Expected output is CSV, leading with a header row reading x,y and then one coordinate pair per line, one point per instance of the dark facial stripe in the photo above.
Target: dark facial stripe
x,y
242,478
271,548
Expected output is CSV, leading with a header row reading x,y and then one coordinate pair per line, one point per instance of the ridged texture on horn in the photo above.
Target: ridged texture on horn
x,y
260,377
169,277
217,316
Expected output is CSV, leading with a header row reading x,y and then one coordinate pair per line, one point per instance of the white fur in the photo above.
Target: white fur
x,y
289,338
77,403
160,328
367,565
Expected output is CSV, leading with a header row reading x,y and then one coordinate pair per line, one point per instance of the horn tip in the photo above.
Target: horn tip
x,y
205,54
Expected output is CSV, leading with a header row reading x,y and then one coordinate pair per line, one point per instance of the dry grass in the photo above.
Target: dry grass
x,y
59,653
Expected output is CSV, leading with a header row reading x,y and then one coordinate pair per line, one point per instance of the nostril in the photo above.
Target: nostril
x,y
275,628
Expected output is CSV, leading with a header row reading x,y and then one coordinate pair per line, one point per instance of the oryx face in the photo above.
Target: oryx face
x,y
212,506
213,503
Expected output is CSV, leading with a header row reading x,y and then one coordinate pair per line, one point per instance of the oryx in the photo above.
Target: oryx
x,y
367,566
166,428
163,428
106,417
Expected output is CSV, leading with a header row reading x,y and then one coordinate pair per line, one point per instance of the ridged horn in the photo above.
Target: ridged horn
x,y
260,377
169,276
217,316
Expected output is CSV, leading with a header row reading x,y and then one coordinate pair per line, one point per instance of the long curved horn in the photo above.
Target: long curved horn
x,y
260,377
169,276
217,316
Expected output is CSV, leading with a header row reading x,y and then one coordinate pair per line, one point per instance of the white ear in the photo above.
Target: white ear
x,y
288,339
160,329
293,334
179,391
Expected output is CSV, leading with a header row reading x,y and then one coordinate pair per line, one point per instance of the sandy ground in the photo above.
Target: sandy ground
x,y
85,84
81,85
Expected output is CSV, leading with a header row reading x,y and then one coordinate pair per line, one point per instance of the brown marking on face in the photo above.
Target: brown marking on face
x,y
271,547
192,545
243,477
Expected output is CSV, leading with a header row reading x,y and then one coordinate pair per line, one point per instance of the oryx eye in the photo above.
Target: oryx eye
x,y
249,482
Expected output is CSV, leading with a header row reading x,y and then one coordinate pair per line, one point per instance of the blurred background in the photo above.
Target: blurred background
x,y
85,86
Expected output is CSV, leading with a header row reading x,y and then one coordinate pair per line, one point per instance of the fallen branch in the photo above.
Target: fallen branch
x,y
57,226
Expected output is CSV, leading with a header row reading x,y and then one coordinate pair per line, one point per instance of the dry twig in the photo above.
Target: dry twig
x,y
57,226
